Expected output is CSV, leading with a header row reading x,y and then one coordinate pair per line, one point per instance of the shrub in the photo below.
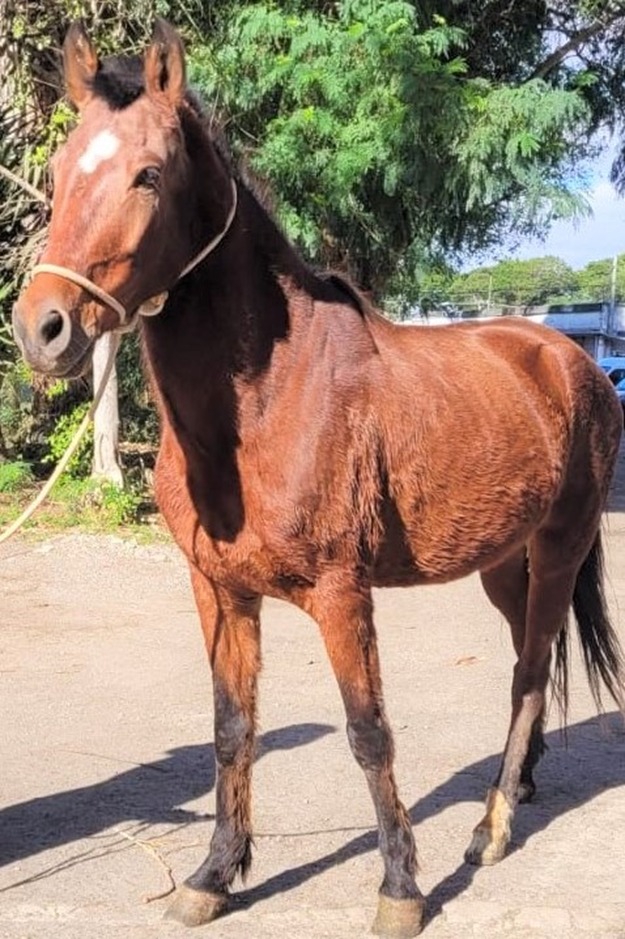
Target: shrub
x,y
92,504
15,476
58,441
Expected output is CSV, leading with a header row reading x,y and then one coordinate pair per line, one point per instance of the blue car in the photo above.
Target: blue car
x,y
620,390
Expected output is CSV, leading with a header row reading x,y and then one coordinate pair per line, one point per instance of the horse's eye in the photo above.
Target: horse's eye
x,y
147,178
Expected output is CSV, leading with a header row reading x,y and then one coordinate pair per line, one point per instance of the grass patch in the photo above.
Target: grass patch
x,y
87,505
15,476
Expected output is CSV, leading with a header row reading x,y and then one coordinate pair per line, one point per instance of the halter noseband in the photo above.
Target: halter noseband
x,y
155,304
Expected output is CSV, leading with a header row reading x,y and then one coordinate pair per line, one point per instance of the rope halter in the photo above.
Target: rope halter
x,y
155,304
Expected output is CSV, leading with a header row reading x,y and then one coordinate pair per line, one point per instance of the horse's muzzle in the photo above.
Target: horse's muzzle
x,y
46,338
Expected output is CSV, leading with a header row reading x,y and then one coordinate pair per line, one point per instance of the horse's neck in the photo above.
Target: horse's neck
x,y
220,329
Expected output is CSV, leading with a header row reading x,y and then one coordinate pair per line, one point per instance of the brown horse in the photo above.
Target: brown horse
x,y
312,450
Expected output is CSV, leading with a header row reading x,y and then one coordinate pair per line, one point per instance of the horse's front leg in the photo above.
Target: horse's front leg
x,y
344,613
231,628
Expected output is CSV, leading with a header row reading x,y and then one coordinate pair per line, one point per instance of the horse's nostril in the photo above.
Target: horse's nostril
x,y
51,326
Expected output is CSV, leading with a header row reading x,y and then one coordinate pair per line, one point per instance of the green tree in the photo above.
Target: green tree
x,y
389,129
516,283
595,279
374,137
393,134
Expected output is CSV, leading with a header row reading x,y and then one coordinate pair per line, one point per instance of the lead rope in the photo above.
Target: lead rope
x,y
71,449
150,307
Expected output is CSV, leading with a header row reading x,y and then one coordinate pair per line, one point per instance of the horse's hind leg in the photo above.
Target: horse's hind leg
x,y
232,634
550,591
507,587
344,613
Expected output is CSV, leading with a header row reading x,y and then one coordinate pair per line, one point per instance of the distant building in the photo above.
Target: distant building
x,y
599,329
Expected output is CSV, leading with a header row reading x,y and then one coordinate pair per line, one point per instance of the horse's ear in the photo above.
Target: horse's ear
x,y
164,64
80,64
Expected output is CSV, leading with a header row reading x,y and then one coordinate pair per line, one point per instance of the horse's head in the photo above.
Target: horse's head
x,y
125,210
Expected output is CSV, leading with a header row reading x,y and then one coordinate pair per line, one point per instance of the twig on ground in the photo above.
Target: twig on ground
x,y
150,849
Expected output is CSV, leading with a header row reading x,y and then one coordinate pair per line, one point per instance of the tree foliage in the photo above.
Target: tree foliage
x,y
377,131
390,131
599,279
532,282
395,136
515,283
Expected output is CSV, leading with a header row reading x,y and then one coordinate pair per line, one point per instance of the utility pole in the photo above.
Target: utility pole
x,y
106,418
612,311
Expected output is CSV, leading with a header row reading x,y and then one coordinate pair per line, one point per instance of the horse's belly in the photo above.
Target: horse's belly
x,y
455,537
439,562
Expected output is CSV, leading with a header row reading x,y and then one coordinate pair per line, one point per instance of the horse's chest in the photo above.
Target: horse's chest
x,y
218,536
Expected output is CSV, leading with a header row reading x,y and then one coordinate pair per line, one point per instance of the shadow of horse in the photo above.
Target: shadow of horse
x,y
150,792
592,762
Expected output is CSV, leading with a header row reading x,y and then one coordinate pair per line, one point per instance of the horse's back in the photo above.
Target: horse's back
x,y
494,372
484,427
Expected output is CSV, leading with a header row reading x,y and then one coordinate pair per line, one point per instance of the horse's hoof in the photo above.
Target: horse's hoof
x,y
399,919
196,907
484,849
491,836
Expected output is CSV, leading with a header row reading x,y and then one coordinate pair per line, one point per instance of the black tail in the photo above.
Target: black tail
x,y
603,656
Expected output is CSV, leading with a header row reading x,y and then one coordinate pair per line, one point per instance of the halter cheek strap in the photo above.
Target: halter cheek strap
x,y
155,304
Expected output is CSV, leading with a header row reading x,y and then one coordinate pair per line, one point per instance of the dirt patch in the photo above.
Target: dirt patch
x,y
107,772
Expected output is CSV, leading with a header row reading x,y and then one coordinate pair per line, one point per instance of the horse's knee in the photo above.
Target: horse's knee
x,y
234,729
371,742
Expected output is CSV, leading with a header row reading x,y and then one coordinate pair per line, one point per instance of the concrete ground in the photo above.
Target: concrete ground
x,y
107,772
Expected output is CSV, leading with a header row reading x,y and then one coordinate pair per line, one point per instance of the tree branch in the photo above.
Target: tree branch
x,y
576,40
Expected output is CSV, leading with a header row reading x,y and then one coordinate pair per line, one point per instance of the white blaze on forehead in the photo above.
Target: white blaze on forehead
x,y
102,147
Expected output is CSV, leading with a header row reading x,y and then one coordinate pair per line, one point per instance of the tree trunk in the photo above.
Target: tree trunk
x,y
106,463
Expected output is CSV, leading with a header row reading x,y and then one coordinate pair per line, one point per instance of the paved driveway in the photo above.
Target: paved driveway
x,y
107,778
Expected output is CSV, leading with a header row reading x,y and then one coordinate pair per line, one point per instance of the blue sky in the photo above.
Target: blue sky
x,y
601,235
591,239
